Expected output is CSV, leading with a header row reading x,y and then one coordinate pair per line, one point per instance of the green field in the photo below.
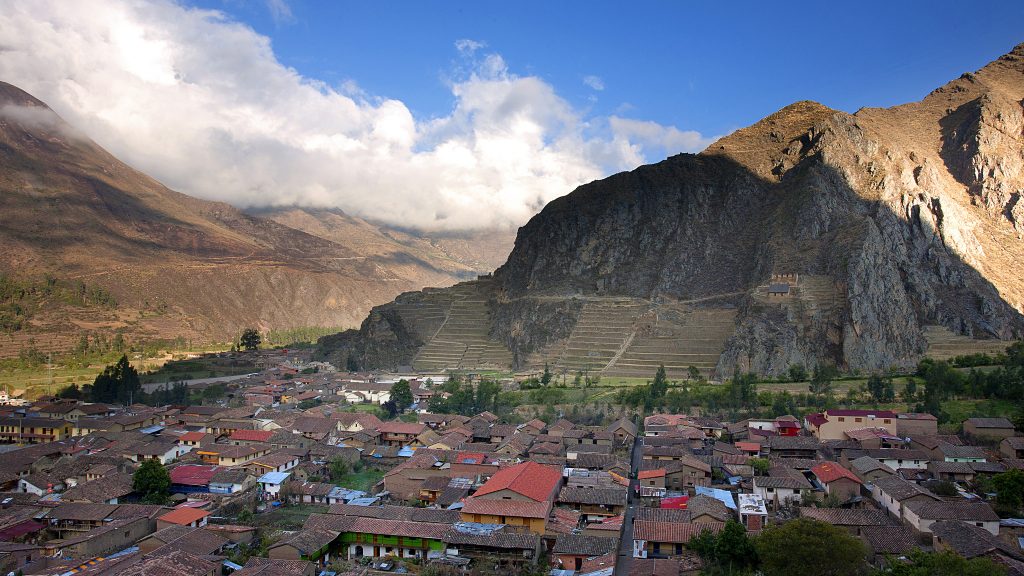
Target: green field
x,y
288,517
363,480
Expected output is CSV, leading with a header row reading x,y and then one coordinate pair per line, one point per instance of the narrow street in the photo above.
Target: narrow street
x,y
625,559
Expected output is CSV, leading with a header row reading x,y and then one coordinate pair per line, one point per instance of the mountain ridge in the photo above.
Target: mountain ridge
x,y
888,224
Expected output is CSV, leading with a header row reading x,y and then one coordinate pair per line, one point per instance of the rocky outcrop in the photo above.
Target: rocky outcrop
x,y
897,218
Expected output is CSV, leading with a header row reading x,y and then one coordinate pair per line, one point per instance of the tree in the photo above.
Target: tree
x,y
809,548
910,390
1009,487
760,466
946,563
152,481
337,469
797,373
71,391
693,373
545,378
728,552
118,383
401,394
821,381
250,339
660,384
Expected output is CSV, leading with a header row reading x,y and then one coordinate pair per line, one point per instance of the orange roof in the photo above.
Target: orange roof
x,y
830,472
252,435
535,481
645,474
749,446
184,516
192,436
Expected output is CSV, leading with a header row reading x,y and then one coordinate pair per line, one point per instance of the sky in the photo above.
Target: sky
x,y
458,115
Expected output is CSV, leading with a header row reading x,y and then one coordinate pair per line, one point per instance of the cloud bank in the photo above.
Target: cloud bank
x,y
200,102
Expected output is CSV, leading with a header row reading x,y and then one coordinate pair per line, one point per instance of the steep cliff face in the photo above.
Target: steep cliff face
x,y
882,222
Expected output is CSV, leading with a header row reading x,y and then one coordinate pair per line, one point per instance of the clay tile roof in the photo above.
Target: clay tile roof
x,y
968,511
535,481
252,435
588,495
900,489
828,472
193,475
579,545
184,516
646,474
848,516
672,532
396,427
890,539
516,508
990,423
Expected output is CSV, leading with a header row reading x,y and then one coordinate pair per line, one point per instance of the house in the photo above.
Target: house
x,y
189,478
497,546
594,503
270,484
1012,447
839,482
572,550
661,539
182,517
520,495
953,453
972,541
792,446
951,471
397,433
653,478
753,512
897,458
920,515
230,455
992,429
231,481
852,519
782,487
894,493
834,423
909,424
249,437
279,461
311,545
16,430
256,566
868,469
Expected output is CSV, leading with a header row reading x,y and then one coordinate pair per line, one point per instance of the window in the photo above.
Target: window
x,y
979,524
887,420
841,419
858,419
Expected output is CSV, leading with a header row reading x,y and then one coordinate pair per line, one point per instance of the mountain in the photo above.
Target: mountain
x,y
73,215
814,236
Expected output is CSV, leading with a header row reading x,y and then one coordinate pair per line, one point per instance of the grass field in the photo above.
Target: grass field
x,y
287,517
362,480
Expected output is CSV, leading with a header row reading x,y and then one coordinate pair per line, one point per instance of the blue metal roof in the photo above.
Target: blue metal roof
x,y
723,496
274,477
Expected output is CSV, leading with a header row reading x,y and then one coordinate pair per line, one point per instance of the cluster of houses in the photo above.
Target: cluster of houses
x,y
474,491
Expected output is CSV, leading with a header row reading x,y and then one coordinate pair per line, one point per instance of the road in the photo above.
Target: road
x,y
622,564
193,382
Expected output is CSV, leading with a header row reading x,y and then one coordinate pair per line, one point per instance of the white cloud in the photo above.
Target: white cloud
x,y
594,82
201,103
467,46
280,11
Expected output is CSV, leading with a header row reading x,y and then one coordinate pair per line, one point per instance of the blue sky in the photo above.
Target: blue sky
x,y
446,115
707,66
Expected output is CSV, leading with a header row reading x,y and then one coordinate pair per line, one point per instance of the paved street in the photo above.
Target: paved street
x,y
625,558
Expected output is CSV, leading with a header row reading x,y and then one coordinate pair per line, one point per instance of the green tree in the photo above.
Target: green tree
x,y
760,466
659,386
70,391
545,378
118,383
152,481
1009,487
946,563
337,469
250,339
401,394
797,373
910,390
821,381
693,373
809,548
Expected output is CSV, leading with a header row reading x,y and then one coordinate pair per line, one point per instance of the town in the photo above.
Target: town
x,y
302,469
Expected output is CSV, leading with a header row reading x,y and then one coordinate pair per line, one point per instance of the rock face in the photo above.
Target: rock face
x,y
881,223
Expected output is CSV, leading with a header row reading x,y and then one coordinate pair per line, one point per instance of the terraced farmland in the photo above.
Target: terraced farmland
x,y
461,340
677,337
603,329
944,344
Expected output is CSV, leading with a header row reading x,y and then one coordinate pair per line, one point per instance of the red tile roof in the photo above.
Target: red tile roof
x,y
252,435
828,472
535,481
192,436
816,420
184,516
862,413
645,474
193,475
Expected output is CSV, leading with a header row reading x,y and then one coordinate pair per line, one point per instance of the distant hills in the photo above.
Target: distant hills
x,y
866,240
179,266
